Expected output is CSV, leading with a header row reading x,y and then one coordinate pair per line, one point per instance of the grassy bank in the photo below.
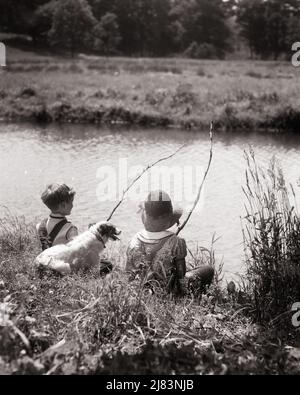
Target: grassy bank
x,y
84,324
150,92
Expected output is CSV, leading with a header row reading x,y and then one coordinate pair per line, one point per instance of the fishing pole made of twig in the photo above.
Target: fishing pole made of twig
x,y
180,227
148,167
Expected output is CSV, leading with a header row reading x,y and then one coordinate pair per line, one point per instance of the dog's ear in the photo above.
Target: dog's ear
x,y
114,232
102,228
109,230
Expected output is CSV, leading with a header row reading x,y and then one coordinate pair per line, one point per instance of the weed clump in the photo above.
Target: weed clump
x,y
15,234
3,94
27,92
253,74
184,95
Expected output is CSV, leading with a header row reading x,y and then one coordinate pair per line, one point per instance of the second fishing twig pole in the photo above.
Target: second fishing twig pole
x,y
139,176
180,227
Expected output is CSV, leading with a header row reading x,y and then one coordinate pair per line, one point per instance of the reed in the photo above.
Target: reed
x,y
272,241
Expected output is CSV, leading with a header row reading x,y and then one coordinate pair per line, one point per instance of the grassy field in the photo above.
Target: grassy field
x,y
85,324
150,92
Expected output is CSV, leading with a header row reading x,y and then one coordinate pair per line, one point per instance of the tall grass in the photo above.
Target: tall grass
x,y
272,241
87,324
16,236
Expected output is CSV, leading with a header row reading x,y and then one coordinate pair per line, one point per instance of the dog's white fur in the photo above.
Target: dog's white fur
x,y
80,253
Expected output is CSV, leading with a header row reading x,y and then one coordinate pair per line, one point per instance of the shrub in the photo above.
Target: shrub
x,y
27,92
201,51
74,68
52,67
3,94
184,95
201,72
253,74
242,95
270,98
156,97
286,117
272,241
99,94
207,51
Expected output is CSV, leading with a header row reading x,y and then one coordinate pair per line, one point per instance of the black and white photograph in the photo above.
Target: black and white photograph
x,y
149,190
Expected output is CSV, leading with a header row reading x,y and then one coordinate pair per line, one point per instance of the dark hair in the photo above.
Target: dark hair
x,y
158,203
55,194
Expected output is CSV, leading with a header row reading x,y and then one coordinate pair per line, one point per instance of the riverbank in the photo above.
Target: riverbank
x,y
180,93
84,324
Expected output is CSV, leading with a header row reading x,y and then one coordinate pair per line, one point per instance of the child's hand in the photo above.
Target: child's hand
x,y
180,267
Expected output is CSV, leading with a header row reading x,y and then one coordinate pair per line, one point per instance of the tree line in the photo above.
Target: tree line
x,y
193,28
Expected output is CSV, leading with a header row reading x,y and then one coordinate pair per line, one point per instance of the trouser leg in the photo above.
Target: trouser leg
x,y
200,278
105,267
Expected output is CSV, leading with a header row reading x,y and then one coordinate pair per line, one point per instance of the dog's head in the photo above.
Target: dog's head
x,y
106,230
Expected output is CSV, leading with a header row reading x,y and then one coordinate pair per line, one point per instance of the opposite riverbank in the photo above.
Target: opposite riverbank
x,y
179,93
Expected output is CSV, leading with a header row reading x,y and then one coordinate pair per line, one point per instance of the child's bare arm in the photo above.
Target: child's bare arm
x,y
180,265
181,252
72,232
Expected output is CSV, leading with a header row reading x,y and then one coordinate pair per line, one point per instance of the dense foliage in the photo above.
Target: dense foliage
x,y
195,28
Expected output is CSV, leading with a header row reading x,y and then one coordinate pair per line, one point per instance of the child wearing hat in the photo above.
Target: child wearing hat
x,y
157,255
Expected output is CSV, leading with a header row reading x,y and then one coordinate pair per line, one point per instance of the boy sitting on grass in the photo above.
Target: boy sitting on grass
x,y
56,229
157,255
